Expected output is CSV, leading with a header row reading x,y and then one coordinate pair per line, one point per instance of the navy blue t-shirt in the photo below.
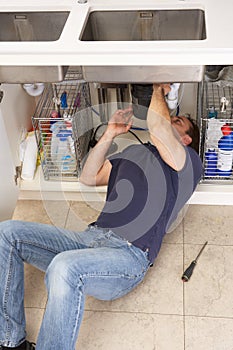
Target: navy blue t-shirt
x,y
145,195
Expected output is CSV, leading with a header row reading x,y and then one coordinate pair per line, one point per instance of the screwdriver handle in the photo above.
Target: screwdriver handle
x,y
188,272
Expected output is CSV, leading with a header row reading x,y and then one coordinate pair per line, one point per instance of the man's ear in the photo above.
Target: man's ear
x,y
186,140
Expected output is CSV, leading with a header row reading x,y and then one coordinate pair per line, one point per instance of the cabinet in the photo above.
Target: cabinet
x,y
16,110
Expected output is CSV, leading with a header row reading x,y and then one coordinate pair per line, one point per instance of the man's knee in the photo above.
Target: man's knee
x,y
59,277
8,228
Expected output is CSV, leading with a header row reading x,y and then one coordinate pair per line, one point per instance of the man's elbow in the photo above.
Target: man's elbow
x,y
86,180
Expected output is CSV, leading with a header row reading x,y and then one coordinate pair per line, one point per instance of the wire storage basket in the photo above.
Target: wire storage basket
x,y
217,133
63,126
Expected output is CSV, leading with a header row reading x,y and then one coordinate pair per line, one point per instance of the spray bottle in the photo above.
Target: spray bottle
x,y
211,159
225,155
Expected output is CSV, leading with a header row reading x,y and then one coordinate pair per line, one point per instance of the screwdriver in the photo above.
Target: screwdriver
x,y
189,271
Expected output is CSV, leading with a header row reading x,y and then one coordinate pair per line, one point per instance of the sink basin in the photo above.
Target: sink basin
x,y
144,25
188,24
32,26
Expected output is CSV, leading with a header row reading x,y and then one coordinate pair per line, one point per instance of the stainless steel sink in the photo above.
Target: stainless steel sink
x,y
142,25
188,24
32,26
32,74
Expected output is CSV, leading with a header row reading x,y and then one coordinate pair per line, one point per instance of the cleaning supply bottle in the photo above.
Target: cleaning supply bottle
x,y
62,148
212,112
211,159
225,155
66,161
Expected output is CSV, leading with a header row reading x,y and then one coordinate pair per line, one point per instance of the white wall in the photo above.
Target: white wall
x,y
188,96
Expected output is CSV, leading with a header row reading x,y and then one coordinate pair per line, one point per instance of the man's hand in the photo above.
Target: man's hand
x,y
96,170
166,88
120,122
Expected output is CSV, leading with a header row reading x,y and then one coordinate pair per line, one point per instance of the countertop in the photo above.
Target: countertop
x,y
217,48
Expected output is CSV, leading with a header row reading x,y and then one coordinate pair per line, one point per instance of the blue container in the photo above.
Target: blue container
x,y
211,159
212,113
225,154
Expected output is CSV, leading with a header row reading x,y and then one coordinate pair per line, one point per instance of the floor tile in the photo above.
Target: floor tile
x,y
175,232
87,211
34,318
31,211
130,331
154,294
35,291
203,333
209,223
176,235
57,211
209,291
81,214
47,212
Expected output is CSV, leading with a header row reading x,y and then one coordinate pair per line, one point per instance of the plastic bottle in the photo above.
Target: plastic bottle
x,y
211,159
212,113
62,148
225,154
30,157
66,161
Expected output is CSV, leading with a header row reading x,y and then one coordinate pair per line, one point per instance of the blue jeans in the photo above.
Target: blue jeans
x,y
95,262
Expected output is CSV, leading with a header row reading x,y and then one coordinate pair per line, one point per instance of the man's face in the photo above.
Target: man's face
x,y
181,124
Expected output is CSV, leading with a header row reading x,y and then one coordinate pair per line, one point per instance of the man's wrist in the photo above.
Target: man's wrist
x,y
109,135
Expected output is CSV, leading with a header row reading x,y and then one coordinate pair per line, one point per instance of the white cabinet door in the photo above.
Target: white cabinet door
x,y
16,109
8,188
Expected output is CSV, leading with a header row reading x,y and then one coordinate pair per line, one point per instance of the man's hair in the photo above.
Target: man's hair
x,y
194,133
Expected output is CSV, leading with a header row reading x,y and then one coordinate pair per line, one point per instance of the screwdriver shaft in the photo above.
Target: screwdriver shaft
x,y
201,251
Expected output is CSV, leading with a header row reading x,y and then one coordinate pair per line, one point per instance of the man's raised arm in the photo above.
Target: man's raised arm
x,y
161,131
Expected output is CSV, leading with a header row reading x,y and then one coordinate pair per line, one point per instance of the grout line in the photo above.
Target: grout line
x,y
133,312
67,215
184,324
158,314
210,317
34,307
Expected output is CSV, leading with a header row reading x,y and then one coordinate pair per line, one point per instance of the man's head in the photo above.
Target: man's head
x,y
187,130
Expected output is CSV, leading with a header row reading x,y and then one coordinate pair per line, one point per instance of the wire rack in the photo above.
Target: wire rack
x,y
63,126
216,125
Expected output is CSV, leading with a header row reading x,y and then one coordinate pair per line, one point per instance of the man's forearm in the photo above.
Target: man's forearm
x,y
158,117
161,132
158,103
96,170
96,159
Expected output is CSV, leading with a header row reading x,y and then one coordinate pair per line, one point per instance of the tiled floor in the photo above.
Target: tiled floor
x,y
163,313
